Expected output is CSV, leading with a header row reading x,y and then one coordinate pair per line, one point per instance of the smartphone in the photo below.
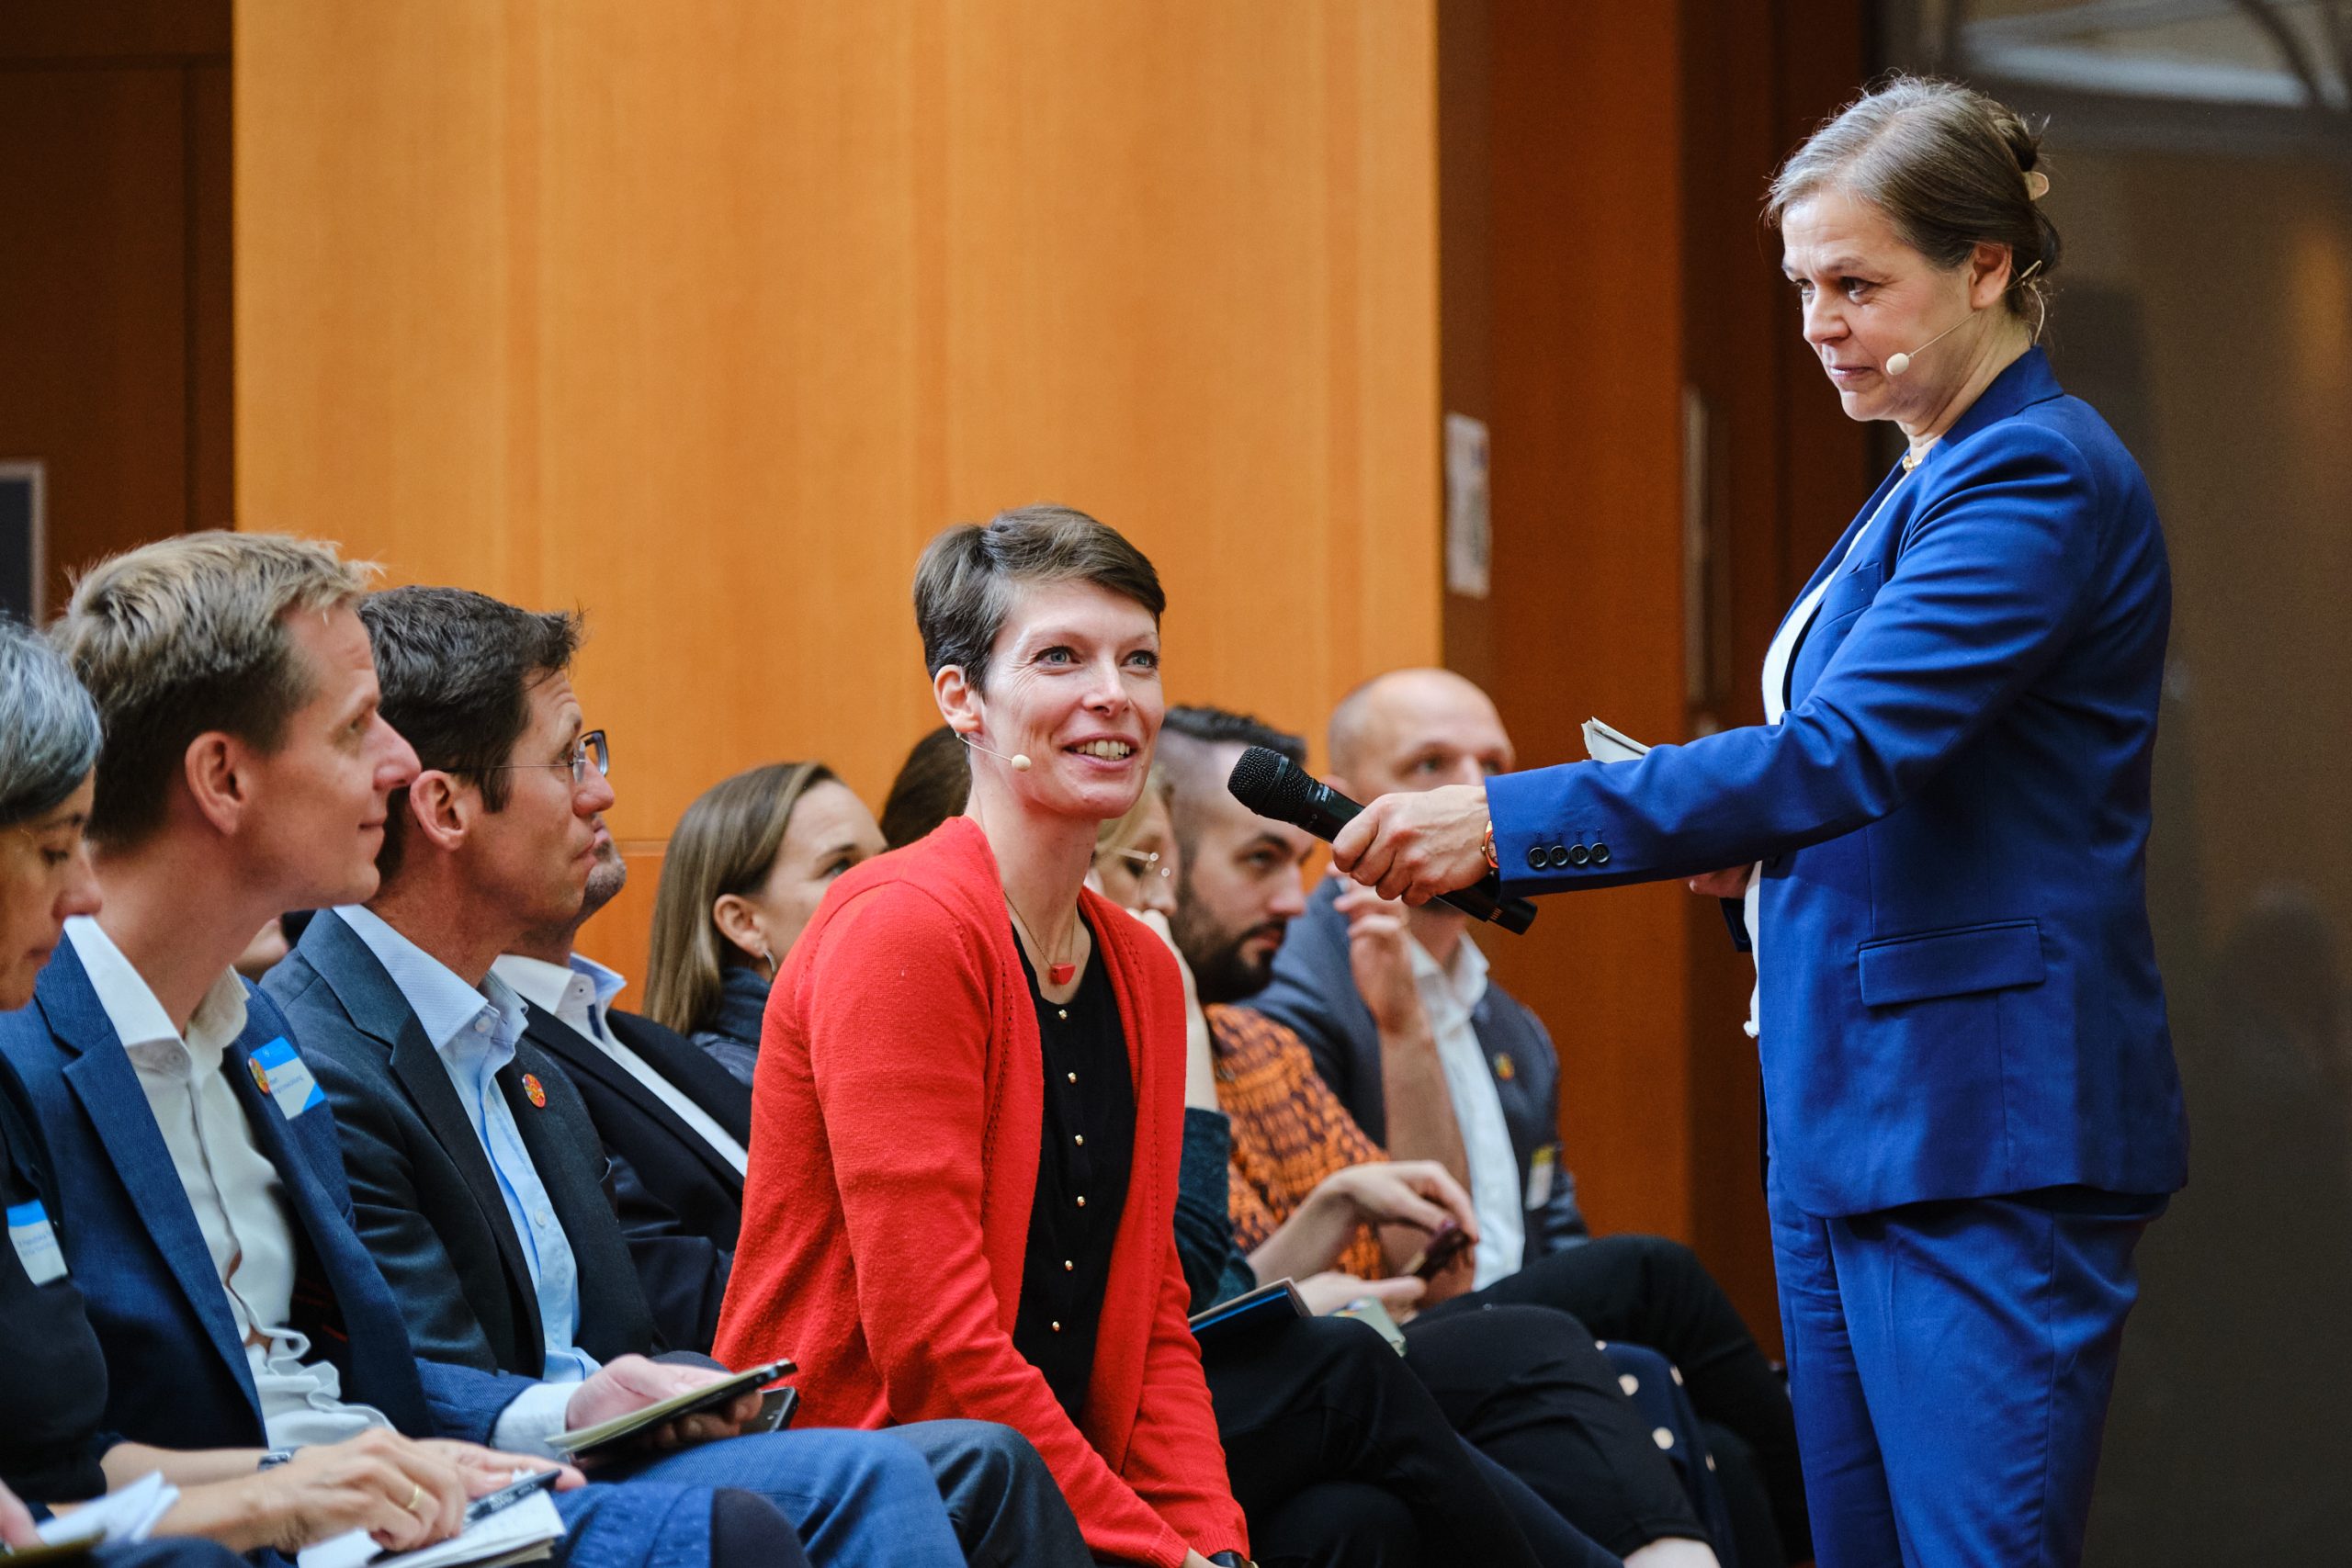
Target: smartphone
x,y
1445,1243
506,1496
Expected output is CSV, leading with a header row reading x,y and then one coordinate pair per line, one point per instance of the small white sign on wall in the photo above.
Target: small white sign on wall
x,y
1469,537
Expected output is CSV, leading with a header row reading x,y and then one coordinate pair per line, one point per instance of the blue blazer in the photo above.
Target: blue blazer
x,y
1314,992
176,1372
1960,994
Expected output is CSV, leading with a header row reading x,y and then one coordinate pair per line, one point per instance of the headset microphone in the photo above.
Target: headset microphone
x,y
1019,760
1897,364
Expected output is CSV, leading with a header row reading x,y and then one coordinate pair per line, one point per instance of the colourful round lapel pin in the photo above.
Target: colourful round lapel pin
x,y
538,1095
261,1077
1505,1068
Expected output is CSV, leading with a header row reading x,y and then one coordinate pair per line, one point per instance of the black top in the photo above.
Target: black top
x,y
1088,1147
57,1374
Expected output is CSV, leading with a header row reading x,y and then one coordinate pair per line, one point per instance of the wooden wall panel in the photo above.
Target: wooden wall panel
x,y
704,317
1562,257
115,268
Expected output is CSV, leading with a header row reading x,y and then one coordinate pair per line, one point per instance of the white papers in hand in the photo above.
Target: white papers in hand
x,y
125,1516
1603,744
522,1533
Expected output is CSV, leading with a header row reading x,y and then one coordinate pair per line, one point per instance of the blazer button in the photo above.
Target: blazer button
x,y
1600,853
1578,854
1535,857
1558,858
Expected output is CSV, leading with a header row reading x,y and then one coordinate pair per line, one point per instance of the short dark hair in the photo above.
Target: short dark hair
x,y
457,669
1223,726
933,784
964,583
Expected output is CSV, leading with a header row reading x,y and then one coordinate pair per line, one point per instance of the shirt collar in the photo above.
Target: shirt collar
x,y
137,1018
443,1004
574,991
1463,982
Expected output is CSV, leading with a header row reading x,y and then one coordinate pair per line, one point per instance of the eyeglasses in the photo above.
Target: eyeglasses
x,y
1143,862
593,751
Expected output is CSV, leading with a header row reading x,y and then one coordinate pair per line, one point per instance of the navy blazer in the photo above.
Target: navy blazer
x,y
427,1200
177,1375
1314,992
1958,988
669,1159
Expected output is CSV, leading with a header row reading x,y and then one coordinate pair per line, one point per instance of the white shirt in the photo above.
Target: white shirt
x,y
1449,996
236,1193
582,996
1776,658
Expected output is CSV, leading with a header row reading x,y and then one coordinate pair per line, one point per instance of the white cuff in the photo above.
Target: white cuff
x,y
532,1418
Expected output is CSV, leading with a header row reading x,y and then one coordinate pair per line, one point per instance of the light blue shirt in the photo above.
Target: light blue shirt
x,y
473,1032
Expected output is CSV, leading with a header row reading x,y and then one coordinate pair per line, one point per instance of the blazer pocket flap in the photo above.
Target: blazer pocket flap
x,y
1850,591
1950,964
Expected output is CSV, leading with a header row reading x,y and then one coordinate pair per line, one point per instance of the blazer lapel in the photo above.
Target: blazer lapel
x,y
690,1067
582,1057
101,1077
371,1001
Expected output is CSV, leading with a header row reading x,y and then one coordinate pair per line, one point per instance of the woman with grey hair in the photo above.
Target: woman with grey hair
x,y
49,750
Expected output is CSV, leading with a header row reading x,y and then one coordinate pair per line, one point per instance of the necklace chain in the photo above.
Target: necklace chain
x,y
1043,950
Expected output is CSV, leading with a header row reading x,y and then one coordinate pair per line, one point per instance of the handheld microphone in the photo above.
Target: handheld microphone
x,y
1271,785
1019,760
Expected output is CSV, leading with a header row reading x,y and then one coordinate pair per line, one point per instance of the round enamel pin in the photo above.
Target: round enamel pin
x,y
1505,1068
538,1095
260,1078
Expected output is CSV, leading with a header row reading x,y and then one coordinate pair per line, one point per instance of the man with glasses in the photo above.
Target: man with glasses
x,y
678,1121
477,1176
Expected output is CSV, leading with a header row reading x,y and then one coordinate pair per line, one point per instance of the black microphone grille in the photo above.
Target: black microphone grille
x,y
1266,782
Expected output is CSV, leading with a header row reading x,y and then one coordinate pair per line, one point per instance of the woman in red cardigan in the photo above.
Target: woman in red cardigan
x,y
968,1112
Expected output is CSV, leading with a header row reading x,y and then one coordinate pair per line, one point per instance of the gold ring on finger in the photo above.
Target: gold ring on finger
x,y
415,1495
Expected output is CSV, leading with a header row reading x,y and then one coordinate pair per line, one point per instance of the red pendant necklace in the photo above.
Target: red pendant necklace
x,y
1057,975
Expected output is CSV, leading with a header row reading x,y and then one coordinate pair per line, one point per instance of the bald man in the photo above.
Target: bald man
x,y
1416,730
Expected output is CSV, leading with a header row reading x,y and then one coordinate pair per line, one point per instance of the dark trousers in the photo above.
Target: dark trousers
x,y
1653,1291
1340,1457
1529,1389
1003,1502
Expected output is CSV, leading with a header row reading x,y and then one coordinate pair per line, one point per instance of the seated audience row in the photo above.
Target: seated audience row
x,y
952,1127
198,1184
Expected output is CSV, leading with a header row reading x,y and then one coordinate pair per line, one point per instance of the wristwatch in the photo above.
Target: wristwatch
x,y
275,1457
1231,1560
1487,847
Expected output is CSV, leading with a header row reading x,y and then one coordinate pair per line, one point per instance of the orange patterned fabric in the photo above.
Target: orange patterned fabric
x,y
1289,1131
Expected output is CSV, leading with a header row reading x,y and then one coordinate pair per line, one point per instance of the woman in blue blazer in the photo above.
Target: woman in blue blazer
x,y
1941,832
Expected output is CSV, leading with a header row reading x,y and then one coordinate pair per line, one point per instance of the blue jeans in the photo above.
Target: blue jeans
x,y
1951,1364
859,1499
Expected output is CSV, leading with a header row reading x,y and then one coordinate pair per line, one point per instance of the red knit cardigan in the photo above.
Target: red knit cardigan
x,y
895,1117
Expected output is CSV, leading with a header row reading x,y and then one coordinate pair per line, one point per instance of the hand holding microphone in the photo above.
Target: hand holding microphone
x,y
1412,846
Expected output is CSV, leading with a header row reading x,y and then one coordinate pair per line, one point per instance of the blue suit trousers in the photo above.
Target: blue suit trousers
x,y
1951,1364
858,1499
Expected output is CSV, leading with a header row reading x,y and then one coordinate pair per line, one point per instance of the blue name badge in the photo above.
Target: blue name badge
x,y
35,1240
282,1074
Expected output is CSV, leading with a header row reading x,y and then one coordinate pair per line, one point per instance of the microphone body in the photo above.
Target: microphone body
x,y
1271,785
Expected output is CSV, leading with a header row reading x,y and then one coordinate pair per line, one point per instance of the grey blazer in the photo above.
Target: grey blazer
x,y
1314,992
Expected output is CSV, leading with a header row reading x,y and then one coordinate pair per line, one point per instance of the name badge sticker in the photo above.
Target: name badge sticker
x,y
1540,1166
280,1070
35,1240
